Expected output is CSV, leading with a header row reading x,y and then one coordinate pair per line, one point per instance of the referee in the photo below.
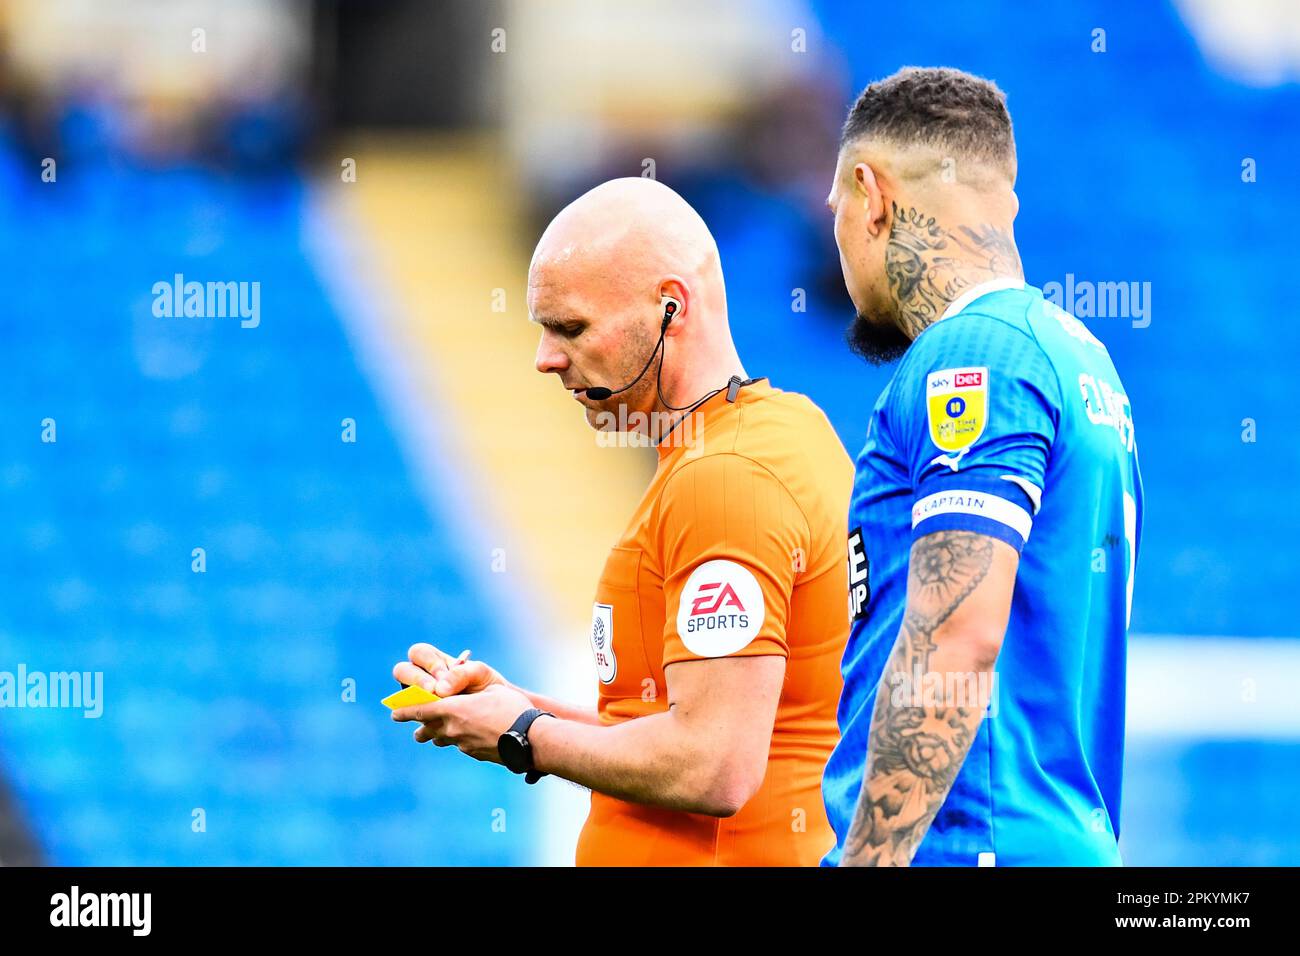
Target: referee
x,y
718,623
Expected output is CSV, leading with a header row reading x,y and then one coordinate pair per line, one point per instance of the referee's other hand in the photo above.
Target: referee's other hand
x,y
444,675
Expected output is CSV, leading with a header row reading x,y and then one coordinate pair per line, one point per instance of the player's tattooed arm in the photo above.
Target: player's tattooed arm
x,y
958,600
928,265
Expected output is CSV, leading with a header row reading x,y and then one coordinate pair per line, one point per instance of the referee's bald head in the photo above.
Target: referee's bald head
x,y
626,232
597,285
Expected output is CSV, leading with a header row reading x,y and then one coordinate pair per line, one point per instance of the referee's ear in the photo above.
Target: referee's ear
x,y
674,303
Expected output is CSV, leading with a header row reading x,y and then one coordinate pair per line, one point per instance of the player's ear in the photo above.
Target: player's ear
x,y
869,194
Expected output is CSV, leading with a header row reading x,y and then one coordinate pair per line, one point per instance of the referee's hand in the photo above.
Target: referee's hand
x,y
444,675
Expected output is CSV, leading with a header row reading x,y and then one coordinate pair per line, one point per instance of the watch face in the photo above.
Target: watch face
x,y
513,749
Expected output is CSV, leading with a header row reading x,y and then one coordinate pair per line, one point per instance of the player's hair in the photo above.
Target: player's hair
x,y
947,109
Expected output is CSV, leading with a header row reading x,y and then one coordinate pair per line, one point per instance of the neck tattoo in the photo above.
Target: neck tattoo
x,y
929,266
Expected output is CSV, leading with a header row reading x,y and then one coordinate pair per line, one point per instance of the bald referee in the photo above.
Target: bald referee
x,y
719,621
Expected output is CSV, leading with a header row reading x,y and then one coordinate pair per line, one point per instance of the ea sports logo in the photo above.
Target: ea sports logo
x,y
721,609
714,597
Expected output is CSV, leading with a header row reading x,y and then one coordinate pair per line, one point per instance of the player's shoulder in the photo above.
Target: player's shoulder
x,y
998,332
1053,323
997,320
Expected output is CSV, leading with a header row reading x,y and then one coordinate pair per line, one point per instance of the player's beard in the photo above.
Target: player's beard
x,y
876,338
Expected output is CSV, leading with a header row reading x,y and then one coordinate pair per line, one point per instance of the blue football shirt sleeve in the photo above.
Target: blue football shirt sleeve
x,y
982,404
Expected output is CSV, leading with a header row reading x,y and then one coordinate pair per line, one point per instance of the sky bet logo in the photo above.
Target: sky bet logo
x,y
968,378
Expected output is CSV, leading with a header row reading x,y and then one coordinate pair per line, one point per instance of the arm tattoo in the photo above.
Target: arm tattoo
x,y
914,752
928,266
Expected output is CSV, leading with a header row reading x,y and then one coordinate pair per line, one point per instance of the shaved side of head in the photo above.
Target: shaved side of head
x,y
925,116
924,201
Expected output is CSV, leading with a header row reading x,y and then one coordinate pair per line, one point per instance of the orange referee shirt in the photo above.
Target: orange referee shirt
x,y
736,549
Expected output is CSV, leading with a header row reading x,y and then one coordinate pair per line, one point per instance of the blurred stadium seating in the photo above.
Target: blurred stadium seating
x,y
224,689
326,559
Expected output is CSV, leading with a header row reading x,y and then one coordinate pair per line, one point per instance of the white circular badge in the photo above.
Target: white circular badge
x,y
721,609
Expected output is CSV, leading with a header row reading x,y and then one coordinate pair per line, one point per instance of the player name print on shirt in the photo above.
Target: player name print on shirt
x,y
859,576
602,641
956,404
721,609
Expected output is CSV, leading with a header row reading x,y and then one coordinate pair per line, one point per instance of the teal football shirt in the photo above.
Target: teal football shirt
x,y
1006,417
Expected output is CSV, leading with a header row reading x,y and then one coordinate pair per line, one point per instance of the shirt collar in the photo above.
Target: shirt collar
x,y
707,412
978,291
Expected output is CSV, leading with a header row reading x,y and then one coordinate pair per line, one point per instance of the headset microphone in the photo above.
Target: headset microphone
x,y
598,393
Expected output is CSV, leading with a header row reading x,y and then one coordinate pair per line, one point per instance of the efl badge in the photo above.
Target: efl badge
x,y
602,641
956,402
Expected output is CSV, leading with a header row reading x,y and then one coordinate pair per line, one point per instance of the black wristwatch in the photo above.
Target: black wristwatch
x,y
514,748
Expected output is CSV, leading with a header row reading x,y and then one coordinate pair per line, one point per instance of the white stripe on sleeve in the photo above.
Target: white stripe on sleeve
x,y
980,503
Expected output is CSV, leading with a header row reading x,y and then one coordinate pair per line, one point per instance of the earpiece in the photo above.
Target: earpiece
x,y
671,307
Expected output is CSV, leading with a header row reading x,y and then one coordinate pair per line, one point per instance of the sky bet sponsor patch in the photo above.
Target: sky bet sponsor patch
x,y
721,609
956,402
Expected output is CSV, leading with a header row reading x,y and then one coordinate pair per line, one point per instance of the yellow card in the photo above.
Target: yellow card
x,y
408,696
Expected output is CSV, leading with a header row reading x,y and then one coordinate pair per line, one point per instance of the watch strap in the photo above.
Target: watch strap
x,y
525,720
521,727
